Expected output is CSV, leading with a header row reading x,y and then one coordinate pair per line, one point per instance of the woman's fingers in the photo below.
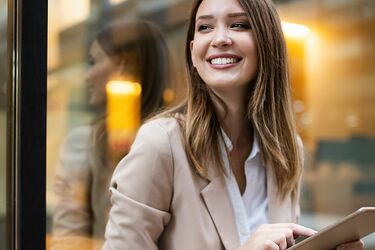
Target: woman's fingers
x,y
284,237
270,245
281,240
284,233
276,236
300,230
355,245
281,236
289,237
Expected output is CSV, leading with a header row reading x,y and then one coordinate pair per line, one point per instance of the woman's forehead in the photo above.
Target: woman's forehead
x,y
218,7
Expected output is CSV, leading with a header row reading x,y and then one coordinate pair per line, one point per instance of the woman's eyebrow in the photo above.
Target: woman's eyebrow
x,y
237,14
205,17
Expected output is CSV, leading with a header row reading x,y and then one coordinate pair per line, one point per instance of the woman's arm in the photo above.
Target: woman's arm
x,y
141,192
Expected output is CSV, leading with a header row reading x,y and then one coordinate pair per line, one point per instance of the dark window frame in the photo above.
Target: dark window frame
x,y
26,128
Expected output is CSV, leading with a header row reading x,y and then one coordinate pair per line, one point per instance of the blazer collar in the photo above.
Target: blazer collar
x,y
218,203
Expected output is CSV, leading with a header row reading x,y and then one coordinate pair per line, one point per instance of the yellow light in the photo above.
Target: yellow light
x,y
123,111
124,87
294,30
168,96
115,2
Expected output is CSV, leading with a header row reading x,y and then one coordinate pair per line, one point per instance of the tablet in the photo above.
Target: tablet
x,y
351,228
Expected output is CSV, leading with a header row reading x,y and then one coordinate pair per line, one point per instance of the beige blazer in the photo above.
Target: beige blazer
x,y
160,202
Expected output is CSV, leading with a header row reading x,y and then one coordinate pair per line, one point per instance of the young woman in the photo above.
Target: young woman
x,y
129,50
222,171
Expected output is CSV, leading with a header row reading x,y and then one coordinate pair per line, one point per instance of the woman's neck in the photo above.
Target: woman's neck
x,y
235,123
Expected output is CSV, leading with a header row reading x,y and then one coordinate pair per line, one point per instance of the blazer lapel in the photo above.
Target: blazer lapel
x,y
219,205
279,211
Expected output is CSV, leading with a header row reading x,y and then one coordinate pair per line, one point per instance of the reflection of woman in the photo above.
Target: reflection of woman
x,y
132,51
216,172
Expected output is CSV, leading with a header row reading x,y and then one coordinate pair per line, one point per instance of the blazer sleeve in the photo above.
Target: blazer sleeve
x,y
141,192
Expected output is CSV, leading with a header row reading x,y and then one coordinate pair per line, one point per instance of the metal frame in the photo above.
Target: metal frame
x,y
26,117
10,105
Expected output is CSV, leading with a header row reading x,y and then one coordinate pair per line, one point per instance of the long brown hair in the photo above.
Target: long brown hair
x,y
269,106
145,43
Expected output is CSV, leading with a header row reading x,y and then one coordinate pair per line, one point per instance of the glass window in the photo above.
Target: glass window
x,y
111,64
3,122
332,53
99,92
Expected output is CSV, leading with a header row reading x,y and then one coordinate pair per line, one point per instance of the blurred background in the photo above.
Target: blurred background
x,y
331,45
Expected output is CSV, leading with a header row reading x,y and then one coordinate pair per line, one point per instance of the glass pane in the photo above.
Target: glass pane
x,y
3,134
99,58
332,54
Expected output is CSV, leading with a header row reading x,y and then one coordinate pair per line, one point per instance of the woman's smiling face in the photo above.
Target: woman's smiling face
x,y
224,50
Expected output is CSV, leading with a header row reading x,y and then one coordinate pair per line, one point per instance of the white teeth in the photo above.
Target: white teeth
x,y
223,61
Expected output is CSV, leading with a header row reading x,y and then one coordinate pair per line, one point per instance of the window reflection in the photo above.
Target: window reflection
x,y
125,81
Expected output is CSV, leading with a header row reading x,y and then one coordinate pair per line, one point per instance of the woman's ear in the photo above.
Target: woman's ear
x,y
191,51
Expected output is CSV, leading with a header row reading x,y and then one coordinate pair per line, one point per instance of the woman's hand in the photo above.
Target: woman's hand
x,y
355,245
275,236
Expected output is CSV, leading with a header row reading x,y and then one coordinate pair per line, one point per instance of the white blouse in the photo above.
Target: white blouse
x,y
250,209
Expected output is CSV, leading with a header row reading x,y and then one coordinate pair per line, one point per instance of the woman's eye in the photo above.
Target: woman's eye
x,y
203,27
240,26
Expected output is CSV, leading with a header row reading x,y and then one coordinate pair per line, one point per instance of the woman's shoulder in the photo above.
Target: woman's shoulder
x,y
158,134
161,126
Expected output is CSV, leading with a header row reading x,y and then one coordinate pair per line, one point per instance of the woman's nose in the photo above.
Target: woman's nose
x,y
221,38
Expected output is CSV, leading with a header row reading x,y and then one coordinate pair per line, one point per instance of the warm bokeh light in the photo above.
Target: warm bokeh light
x,y
58,21
124,87
114,2
294,30
123,110
168,96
